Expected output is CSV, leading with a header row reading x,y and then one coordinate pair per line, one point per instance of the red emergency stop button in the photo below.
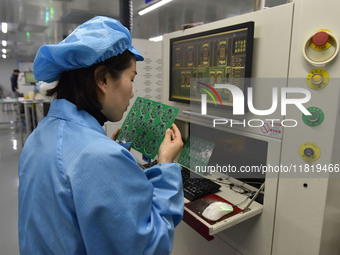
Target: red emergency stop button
x,y
320,48
320,38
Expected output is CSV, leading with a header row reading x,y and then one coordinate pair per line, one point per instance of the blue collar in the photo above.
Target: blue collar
x,y
63,109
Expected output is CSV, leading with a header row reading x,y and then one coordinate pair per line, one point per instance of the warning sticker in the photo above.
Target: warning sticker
x,y
272,129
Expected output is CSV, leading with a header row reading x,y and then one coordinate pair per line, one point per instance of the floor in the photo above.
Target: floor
x,y
10,148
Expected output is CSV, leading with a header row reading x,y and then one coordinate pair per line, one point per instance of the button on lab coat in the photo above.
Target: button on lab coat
x,y
80,192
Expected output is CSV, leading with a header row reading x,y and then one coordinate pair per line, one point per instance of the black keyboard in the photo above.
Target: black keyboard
x,y
195,185
148,165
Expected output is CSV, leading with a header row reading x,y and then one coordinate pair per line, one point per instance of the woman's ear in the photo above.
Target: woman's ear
x,y
100,78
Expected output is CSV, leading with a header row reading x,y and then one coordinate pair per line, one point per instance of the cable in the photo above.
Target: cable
x,y
234,187
245,200
239,189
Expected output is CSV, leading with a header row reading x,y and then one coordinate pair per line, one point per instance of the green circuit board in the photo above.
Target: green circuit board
x,y
146,124
196,152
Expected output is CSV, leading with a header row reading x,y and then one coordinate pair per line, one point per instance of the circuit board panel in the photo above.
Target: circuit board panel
x,y
146,124
196,152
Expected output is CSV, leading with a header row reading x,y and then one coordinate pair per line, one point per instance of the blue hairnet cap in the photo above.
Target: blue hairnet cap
x,y
94,41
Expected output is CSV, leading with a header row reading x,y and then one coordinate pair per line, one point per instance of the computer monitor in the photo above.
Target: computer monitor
x,y
29,78
222,55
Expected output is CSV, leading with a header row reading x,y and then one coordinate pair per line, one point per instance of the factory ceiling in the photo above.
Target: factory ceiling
x,y
32,23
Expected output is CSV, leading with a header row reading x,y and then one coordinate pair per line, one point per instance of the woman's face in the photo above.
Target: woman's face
x,y
117,93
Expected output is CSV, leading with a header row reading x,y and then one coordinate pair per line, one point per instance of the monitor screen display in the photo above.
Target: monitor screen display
x,y
29,78
223,55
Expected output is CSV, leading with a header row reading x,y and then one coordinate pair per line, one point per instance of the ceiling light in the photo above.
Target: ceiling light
x,y
3,55
4,43
156,39
4,51
154,6
4,27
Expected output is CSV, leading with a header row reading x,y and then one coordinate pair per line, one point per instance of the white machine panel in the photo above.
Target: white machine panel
x,y
270,60
296,43
307,215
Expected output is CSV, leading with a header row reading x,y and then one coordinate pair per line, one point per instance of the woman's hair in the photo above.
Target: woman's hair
x,y
79,86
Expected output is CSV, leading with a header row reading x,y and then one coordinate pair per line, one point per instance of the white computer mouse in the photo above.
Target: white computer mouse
x,y
217,210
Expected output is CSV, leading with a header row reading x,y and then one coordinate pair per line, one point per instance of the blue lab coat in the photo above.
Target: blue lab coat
x,y
80,192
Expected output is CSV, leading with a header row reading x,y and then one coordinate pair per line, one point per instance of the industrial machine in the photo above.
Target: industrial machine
x,y
264,87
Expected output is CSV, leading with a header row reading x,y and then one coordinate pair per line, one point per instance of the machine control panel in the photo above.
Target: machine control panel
x,y
319,49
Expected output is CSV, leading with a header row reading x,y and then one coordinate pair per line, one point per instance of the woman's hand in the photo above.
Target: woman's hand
x,y
114,136
171,145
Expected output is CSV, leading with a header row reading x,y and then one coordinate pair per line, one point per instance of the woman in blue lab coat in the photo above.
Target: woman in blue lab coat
x,y
80,191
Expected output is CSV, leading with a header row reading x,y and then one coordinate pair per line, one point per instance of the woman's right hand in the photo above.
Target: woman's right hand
x,y
171,145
